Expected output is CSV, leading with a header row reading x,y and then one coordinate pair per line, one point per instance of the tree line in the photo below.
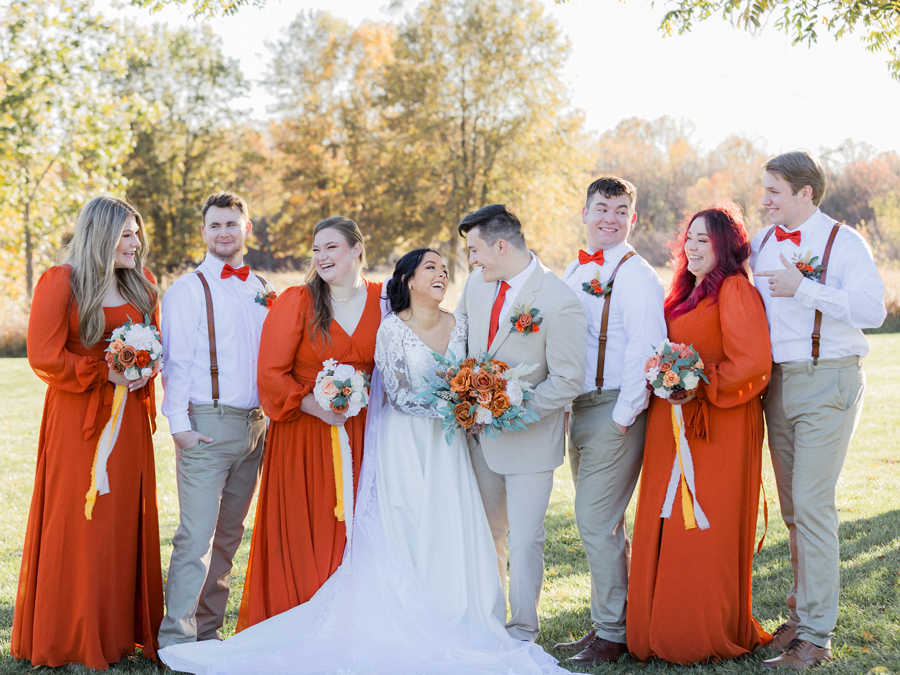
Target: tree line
x,y
404,127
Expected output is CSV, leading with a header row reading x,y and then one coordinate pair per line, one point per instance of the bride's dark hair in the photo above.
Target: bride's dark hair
x,y
397,287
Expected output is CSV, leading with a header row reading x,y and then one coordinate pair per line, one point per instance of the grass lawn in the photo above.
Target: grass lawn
x,y
868,630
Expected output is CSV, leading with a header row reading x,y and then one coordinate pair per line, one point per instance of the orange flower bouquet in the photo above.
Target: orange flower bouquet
x,y
674,371
482,395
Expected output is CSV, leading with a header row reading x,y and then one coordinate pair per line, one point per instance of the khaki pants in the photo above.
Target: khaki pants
x,y
811,415
605,467
216,482
516,503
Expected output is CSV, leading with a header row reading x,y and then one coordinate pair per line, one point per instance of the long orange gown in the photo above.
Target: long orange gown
x,y
297,540
90,591
689,590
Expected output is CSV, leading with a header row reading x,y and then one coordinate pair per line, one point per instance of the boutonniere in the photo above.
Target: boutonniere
x,y
525,319
265,297
596,288
807,266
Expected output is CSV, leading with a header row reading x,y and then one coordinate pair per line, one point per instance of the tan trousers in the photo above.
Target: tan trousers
x,y
516,503
811,415
216,482
605,467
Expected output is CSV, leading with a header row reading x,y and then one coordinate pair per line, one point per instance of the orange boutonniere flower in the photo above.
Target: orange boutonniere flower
x,y
525,319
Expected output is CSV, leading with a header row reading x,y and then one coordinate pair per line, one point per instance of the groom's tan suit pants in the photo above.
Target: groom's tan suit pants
x,y
811,414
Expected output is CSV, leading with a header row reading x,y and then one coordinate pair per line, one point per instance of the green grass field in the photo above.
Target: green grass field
x,y
868,630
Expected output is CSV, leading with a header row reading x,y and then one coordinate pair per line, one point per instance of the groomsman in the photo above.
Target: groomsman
x,y
607,422
211,323
521,313
815,397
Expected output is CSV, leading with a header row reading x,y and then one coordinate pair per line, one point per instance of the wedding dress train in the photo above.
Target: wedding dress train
x,y
418,591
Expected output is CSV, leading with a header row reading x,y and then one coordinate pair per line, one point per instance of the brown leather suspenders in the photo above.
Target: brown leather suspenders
x,y
211,325
604,322
817,324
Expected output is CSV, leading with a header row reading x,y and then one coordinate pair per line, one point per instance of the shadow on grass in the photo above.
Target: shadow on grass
x,y
869,612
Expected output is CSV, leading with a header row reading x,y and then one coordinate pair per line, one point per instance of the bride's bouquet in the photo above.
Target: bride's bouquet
x,y
345,390
135,351
674,371
482,395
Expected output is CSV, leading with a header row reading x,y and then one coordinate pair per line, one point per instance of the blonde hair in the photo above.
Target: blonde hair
x,y
322,310
92,255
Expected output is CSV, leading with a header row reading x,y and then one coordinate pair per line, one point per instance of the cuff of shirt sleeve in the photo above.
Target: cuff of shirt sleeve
x,y
179,422
808,292
624,417
568,407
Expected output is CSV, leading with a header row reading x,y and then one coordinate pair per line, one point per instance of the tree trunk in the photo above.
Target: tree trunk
x,y
29,253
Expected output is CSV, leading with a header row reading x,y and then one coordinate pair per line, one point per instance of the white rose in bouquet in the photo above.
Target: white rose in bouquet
x,y
690,381
344,372
483,416
515,393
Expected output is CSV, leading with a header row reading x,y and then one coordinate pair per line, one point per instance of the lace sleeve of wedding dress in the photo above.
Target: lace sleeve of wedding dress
x,y
407,364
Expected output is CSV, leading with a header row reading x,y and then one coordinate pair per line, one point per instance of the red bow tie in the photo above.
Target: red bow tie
x,y
241,272
584,257
781,234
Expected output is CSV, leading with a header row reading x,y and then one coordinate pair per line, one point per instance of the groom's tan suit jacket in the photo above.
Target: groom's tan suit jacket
x,y
558,351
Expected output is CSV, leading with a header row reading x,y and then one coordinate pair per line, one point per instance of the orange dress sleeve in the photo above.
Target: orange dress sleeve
x,y
744,372
282,333
48,332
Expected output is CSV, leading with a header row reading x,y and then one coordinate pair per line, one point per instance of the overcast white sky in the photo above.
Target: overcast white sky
x,y
721,78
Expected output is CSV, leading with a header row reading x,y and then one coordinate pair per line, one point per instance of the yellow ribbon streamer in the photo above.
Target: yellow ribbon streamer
x,y
105,444
338,472
682,479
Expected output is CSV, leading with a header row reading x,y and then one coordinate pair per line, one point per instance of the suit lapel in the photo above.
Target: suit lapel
x,y
525,297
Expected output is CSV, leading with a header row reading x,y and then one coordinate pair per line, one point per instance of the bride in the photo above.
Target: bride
x,y
418,590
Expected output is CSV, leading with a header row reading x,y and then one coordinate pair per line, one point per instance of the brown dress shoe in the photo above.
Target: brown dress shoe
x,y
578,644
800,654
784,635
599,650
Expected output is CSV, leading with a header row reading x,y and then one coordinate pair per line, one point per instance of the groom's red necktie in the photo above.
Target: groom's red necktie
x,y
495,312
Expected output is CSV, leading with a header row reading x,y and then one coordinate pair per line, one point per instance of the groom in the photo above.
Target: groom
x,y
521,313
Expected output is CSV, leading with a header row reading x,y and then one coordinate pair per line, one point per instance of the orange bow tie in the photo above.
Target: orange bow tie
x,y
584,257
241,272
781,234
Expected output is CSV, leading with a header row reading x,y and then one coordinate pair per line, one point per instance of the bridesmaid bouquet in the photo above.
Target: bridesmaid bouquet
x,y
135,350
482,395
674,371
343,389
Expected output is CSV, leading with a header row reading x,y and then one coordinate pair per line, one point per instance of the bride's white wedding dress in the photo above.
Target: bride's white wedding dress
x,y
418,591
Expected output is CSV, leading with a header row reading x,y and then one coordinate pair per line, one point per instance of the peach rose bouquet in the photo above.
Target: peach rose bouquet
x,y
480,395
135,350
674,371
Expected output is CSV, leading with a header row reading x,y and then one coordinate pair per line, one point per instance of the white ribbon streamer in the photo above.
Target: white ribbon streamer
x,y
683,464
105,445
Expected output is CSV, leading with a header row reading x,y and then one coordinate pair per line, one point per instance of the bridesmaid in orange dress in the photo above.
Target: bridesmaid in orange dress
x,y
90,591
298,542
689,589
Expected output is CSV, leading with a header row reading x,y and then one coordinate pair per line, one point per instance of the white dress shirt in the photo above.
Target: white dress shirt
x,y
515,285
637,325
185,337
851,299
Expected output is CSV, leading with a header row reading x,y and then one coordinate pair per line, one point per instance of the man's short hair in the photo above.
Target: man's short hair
x,y
799,168
612,186
494,221
226,200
